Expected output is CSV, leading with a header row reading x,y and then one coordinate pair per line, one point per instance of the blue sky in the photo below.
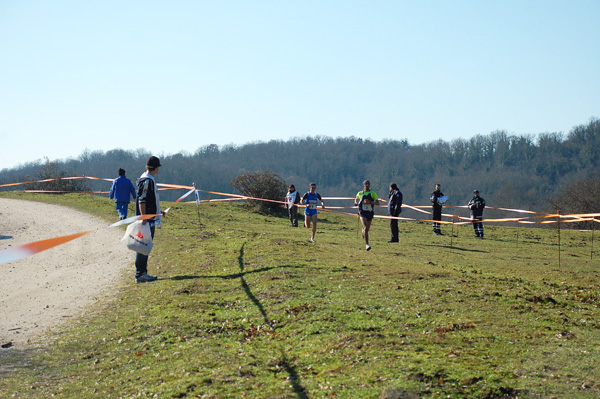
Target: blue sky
x,y
175,76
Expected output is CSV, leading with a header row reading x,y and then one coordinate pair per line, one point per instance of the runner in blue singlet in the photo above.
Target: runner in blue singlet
x,y
311,200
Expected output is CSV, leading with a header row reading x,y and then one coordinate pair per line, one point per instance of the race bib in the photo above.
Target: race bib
x,y
312,205
367,207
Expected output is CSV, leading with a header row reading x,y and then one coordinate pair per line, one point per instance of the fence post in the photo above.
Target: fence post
x,y
558,219
452,235
593,229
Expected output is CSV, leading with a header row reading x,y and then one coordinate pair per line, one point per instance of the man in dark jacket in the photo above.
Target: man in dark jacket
x,y
394,209
476,206
121,191
147,203
437,198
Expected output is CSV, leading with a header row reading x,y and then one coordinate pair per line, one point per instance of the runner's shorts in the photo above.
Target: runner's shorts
x,y
366,215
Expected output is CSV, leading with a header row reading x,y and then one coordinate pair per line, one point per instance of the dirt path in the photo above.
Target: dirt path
x,y
45,289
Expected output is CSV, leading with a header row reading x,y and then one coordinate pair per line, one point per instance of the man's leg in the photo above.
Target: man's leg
x,y
314,227
141,261
394,228
366,226
122,210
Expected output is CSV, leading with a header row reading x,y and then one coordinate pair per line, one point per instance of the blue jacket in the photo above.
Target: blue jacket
x,y
122,189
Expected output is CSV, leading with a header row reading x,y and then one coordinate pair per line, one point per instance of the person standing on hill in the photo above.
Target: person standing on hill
x,y
366,201
311,200
437,198
292,199
476,205
394,209
121,191
148,203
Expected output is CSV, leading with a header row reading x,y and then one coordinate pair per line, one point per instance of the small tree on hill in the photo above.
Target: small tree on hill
x,y
583,196
50,171
267,185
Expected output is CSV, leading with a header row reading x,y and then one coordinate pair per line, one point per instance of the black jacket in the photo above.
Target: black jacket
x,y
146,194
476,206
395,203
434,199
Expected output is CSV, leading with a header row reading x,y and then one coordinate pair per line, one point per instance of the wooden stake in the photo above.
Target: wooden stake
x,y
558,218
593,229
452,236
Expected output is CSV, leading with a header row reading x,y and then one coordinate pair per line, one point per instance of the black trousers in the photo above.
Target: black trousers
x,y
478,226
394,228
293,213
437,215
141,261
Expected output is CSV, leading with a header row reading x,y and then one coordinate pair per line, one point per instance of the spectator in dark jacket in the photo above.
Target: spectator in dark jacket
x,y
121,191
476,206
148,203
394,209
437,198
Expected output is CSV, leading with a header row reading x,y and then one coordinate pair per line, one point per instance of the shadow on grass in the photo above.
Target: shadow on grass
x,y
294,379
299,390
235,275
457,248
14,358
248,291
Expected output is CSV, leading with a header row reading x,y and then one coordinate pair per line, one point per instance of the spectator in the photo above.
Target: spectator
x,y
121,191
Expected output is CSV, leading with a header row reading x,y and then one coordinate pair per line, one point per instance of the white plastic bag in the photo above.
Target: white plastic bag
x,y
138,238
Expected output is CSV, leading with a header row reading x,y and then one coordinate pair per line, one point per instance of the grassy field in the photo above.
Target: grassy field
x,y
247,307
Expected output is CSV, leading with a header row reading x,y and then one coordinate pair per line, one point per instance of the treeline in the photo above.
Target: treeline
x,y
509,170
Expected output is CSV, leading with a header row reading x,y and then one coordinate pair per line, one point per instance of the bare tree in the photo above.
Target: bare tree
x,y
581,197
54,180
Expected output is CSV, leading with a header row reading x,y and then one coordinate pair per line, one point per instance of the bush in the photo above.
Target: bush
x,y
49,171
267,185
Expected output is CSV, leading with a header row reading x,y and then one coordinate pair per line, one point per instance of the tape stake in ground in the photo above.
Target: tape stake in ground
x,y
23,251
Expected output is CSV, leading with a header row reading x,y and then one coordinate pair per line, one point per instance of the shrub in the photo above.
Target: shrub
x,y
267,185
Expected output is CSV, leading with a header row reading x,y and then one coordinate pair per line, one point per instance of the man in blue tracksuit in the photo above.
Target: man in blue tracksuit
x,y
122,190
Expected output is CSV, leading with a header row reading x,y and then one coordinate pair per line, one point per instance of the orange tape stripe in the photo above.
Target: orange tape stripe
x,y
23,251
167,186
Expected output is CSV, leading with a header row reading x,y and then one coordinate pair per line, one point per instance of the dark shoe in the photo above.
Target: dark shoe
x,y
144,278
390,241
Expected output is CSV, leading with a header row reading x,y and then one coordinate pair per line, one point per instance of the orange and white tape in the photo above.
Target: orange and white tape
x,y
23,251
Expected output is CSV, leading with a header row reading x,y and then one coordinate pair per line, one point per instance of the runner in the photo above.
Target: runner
x,y
365,200
311,200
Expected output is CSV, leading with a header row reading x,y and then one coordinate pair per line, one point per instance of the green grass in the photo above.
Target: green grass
x,y
247,307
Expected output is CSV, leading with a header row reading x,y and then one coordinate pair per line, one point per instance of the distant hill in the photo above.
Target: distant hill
x,y
509,171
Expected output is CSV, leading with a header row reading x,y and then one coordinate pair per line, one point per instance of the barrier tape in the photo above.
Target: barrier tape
x,y
12,254
23,251
133,219
572,218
